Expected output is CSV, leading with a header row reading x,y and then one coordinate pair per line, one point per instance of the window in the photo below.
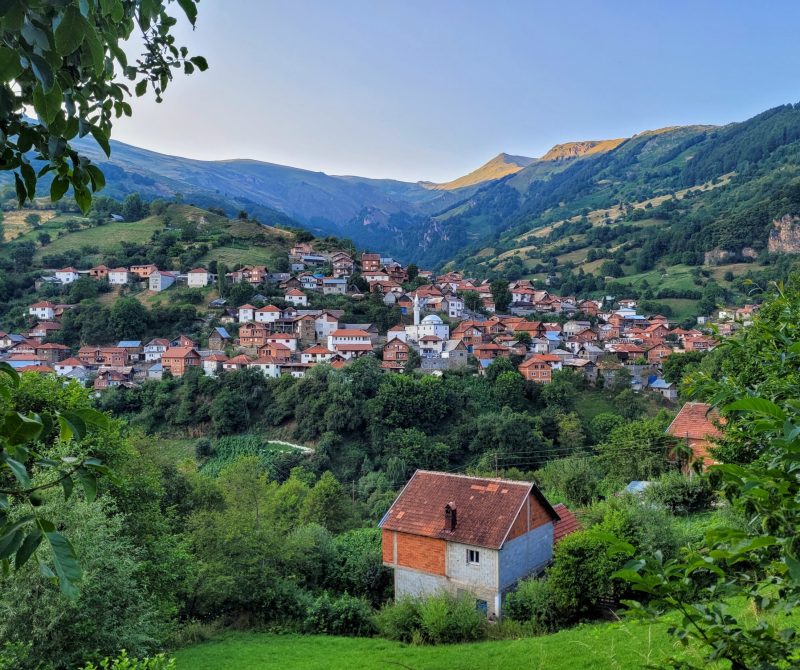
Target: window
x,y
473,556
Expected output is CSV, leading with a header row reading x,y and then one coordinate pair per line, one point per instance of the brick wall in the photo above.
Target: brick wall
x,y
421,553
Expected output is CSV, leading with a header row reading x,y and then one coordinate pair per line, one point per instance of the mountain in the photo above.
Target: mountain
x,y
578,149
500,166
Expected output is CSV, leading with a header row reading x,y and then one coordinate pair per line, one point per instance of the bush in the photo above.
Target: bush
x,y
400,620
345,615
123,662
580,575
439,619
532,602
576,478
680,494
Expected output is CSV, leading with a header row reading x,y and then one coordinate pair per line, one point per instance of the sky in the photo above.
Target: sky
x,y
430,90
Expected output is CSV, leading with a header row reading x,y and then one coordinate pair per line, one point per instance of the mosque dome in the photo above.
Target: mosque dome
x,y
432,320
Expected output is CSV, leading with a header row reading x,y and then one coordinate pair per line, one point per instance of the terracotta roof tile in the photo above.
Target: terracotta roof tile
x,y
695,421
485,508
567,523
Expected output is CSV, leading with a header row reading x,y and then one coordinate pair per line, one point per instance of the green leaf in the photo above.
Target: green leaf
x,y
67,485
71,426
95,45
18,429
89,483
10,542
757,406
45,570
58,188
97,177
200,63
70,32
31,544
10,66
141,88
42,71
66,564
82,197
101,139
29,177
190,9
19,470
22,194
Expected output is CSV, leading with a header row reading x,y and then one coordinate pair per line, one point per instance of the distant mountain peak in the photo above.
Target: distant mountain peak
x,y
578,149
500,166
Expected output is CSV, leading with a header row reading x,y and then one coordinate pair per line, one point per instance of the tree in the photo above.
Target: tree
x,y
412,271
65,62
636,451
33,220
326,504
472,300
44,238
500,294
133,208
129,319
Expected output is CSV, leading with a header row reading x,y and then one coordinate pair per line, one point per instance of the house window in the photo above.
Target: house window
x,y
473,556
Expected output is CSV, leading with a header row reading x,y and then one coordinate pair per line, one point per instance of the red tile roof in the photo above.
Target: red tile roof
x,y
695,421
486,508
566,524
350,332
179,352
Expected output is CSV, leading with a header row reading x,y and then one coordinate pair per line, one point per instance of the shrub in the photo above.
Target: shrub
x,y
680,494
439,619
532,602
345,615
124,662
398,621
577,478
580,575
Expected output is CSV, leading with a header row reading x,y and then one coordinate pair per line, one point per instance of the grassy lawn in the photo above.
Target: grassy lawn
x,y
248,256
589,647
103,237
592,403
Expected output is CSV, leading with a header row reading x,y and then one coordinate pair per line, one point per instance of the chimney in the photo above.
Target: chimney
x,y
450,516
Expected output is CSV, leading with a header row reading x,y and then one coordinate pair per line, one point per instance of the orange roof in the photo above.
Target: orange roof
x,y
695,421
179,352
241,359
268,308
248,306
566,524
317,349
70,361
198,271
350,332
485,508
216,358
43,303
43,369
264,360
295,292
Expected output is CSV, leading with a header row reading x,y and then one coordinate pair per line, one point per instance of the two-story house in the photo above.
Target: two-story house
x,y
466,535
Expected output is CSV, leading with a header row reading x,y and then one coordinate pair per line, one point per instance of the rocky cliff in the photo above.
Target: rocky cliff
x,y
784,238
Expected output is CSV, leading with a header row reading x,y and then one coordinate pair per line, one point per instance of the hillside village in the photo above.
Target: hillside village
x,y
447,322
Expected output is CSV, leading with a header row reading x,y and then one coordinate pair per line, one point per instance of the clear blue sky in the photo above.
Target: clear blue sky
x,y
431,89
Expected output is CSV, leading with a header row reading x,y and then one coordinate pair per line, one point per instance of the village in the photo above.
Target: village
x,y
437,331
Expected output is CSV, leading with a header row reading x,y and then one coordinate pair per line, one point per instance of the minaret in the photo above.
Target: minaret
x,y
416,309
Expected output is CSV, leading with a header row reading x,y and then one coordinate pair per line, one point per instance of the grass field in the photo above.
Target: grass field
x,y
588,647
103,237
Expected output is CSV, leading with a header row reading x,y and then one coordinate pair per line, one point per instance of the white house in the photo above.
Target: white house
x,y
160,280
334,286
67,275
68,365
246,313
212,364
430,325
296,297
118,276
455,306
154,349
288,340
43,310
316,354
267,365
350,343
198,278
268,314
324,325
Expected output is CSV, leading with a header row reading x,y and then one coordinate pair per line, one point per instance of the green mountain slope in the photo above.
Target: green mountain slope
x,y
498,167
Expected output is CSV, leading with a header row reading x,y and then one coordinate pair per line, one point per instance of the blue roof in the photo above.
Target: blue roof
x,y
222,332
637,486
156,367
129,343
550,335
16,338
660,384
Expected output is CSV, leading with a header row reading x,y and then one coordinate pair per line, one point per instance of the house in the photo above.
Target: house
x,y
67,275
370,262
537,369
212,364
253,335
42,330
656,354
198,278
316,354
699,343
466,535
454,306
179,359
309,282
143,271
268,314
344,336
219,338
376,276
239,362
268,366
44,310
253,274
110,379
52,352
666,389
296,297
118,276
334,285
98,272
696,424
343,265
288,340
19,361
155,348
247,313
67,366
107,356
567,523
133,349
395,355
160,280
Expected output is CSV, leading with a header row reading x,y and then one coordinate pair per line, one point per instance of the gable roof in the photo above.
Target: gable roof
x,y
486,508
695,421
567,523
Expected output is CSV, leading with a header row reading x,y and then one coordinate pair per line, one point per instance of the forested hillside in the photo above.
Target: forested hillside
x,y
662,197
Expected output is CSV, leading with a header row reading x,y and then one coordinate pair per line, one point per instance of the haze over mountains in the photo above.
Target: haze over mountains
x,y
489,209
